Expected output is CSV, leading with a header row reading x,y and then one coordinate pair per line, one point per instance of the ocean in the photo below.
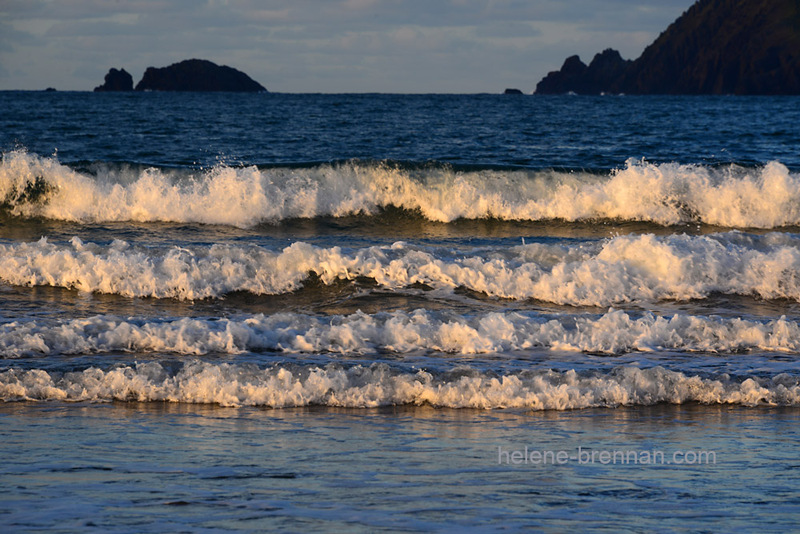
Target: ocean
x,y
377,313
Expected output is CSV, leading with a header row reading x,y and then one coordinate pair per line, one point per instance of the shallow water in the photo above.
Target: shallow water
x,y
155,467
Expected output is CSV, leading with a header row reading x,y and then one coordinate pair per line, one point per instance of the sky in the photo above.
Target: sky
x,y
323,46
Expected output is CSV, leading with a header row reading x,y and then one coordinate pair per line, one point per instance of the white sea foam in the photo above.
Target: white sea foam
x,y
379,385
632,268
766,197
614,332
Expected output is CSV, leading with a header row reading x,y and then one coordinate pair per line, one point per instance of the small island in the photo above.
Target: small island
x,y
116,80
193,75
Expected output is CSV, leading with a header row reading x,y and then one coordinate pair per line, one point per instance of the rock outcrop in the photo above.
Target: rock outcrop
x,y
116,80
602,74
715,47
197,75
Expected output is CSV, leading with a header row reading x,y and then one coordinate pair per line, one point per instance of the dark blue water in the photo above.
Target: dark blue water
x,y
246,312
597,133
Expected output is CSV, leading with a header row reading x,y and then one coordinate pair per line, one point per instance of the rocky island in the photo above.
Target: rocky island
x,y
190,75
116,80
716,47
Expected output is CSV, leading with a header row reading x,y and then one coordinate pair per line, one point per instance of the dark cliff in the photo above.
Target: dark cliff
x,y
715,47
197,75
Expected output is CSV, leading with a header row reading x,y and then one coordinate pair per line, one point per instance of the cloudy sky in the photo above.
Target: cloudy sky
x,y
331,46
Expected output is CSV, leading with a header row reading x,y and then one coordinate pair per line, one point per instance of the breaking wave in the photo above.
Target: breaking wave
x,y
614,332
666,194
631,268
380,385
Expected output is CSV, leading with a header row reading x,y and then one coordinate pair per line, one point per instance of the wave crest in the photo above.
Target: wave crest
x,y
632,268
666,194
380,385
614,332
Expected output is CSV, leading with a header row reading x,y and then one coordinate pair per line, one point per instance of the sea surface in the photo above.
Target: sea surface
x,y
366,313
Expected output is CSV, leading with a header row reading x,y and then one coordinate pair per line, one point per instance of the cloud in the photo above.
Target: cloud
x,y
323,45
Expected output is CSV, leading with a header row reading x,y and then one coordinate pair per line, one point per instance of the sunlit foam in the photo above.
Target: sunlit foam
x,y
667,194
631,268
380,385
399,332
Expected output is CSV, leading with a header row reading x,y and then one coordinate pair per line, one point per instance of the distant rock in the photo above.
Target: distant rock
x,y
116,80
197,75
567,80
512,92
602,74
50,90
715,47
606,70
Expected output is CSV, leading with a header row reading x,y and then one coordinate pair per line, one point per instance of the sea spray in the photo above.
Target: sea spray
x,y
666,194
